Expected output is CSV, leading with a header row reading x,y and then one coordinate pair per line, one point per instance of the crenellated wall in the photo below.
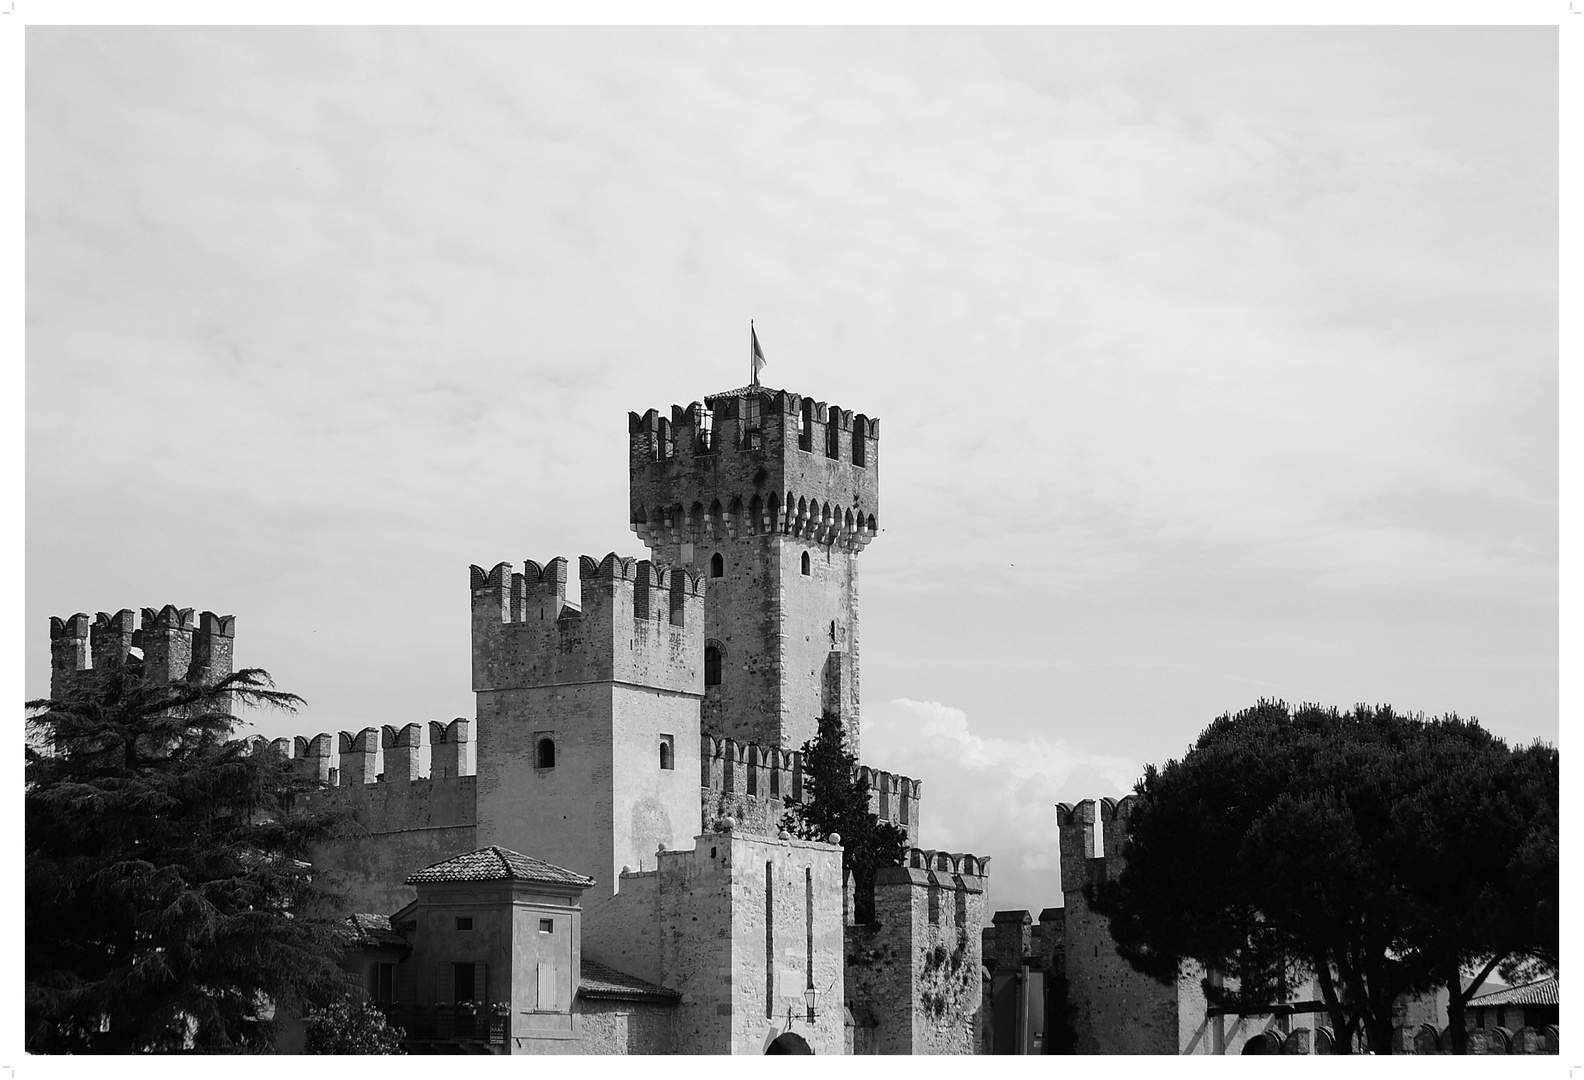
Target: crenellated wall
x,y
170,644
1117,1010
755,784
406,814
769,497
914,976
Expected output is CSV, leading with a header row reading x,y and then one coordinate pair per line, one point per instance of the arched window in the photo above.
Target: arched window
x,y
545,758
717,565
665,759
712,665
805,564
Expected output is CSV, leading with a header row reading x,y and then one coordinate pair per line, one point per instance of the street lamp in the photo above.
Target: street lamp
x,y
810,999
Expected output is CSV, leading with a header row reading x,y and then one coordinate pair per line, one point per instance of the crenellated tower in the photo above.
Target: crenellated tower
x,y
768,497
169,643
588,729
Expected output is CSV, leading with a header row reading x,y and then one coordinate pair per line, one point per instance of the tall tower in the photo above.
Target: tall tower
x,y
768,497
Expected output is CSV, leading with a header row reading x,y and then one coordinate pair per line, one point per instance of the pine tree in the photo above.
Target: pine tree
x,y
167,903
836,800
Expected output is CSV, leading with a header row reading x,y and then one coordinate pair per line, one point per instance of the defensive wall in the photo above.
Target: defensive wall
x,y
741,926
1116,1010
914,974
755,785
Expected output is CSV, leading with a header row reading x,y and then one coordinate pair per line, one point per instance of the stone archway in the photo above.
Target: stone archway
x,y
788,1043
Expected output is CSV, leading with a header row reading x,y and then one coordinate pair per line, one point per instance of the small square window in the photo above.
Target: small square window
x,y
464,922
547,926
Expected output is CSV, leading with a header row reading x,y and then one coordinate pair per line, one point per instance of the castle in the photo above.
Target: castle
x,y
594,862
634,752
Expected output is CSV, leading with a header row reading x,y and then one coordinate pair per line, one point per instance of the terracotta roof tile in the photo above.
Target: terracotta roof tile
x,y
498,864
375,931
1542,992
600,981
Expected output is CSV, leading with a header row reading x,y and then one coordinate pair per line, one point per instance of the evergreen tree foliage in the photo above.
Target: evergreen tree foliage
x,y
350,1026
1377,852
836,800
166,901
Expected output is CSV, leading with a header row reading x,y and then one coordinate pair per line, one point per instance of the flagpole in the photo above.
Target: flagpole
x,y
753,376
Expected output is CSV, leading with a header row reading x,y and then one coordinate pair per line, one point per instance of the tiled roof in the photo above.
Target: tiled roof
x,y
498,864
742,391
374,931
600,981
1543,992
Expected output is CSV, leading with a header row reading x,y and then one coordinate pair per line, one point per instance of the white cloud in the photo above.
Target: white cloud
x,y
992,795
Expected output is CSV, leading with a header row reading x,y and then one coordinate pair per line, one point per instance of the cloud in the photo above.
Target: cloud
x,y
992,795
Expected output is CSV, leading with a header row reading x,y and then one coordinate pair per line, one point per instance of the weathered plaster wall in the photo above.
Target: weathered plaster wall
x,y
624,1027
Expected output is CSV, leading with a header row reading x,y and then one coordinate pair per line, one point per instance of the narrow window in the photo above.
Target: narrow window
x,y
383,983
859,424
712,666
934,904
832,435
717,565
962,907
547,986
805,564
679,592
666,761
546,756
808,905
806,426
769,940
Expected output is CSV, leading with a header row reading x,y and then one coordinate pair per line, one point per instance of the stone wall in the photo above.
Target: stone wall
x,y
746,924
624,1027
915,975
1117,1010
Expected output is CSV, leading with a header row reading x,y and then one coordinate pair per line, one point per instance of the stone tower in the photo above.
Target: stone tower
x,y
768,497
588,730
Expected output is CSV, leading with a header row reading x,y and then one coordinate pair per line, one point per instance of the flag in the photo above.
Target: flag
x,y
758,353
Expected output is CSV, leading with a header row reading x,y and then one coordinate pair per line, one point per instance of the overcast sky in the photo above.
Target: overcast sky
x,y
1211,364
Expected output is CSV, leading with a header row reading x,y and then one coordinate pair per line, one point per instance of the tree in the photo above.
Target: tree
x,y
1378,853
350,1026
167,903
836,800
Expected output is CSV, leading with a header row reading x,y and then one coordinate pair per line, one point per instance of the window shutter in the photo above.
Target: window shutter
x,y
547,986
407,984
444,992
480,986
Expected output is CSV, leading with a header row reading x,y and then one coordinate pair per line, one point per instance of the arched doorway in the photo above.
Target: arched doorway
x,y
790,1043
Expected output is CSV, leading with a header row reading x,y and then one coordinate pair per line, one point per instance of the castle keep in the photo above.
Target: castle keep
x,y
594,861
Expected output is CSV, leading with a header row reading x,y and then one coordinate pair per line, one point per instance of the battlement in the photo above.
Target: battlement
x,y
759,782
956,871
173,643
638,623
1075,825
754,462
383,755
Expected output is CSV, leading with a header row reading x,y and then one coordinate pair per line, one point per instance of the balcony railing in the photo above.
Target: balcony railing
x,y
451,1023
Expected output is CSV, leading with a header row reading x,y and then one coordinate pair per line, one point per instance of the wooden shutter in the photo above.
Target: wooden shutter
x,y
407,984
445,993
480,985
